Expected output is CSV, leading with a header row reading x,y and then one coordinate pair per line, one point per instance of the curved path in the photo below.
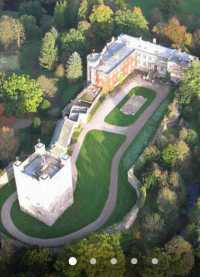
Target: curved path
x,y
96,123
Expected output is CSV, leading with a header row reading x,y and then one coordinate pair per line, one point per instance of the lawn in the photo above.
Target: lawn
x,y
94,163
185,7
116,117
126,198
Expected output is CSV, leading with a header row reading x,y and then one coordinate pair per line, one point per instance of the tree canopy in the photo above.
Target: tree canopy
x,y
21,94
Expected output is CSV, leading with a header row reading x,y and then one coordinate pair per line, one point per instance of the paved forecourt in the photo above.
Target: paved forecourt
x,y
96,123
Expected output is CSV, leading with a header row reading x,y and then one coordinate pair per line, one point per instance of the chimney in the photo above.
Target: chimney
x,y
40,148
154,41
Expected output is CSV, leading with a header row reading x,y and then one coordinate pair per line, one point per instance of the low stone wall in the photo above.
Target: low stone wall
x,y
131,216
7,176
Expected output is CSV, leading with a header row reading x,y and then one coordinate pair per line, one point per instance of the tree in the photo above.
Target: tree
x,y
48,86
60,13
174,33
8,144
102,247
12,33
172,154
37,260
66,13
32,7
182,260
72,41
49,51
131,22
167,200
169,6
102,22
30,25
190,136
196,41
145,268
83,10
74,70
21,94
190,85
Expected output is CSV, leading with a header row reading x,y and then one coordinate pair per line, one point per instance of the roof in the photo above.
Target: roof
x,y
117,50
156,49
113,55
62,132
43,166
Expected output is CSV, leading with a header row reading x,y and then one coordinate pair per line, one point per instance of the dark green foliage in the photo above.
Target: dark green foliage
x,y
101,246
102,22
190,86
36,122
32,7
73,41
30,25
129,22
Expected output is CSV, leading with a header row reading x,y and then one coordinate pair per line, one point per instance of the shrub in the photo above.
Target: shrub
x,y
36,122
46,104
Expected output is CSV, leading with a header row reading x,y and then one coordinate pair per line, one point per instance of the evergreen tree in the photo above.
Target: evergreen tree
x,y
49,52
74,70
60,17
83,10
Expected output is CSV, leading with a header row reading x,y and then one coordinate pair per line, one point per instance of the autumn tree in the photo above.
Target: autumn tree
x,y
8,144
21,94
131,22
74,71
49,51
190,85
167,200
175,33
12,33
173,154
101,19
101,246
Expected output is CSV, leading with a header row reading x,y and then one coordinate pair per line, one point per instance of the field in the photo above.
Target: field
x,y
93,164
117,117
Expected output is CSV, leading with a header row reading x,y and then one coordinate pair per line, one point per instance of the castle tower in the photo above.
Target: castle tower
x,y
44,184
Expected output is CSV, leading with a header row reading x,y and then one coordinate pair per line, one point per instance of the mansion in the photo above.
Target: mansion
x,y
46,180
123,55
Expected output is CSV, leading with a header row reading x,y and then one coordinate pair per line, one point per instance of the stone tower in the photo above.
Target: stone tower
x,y
44,184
